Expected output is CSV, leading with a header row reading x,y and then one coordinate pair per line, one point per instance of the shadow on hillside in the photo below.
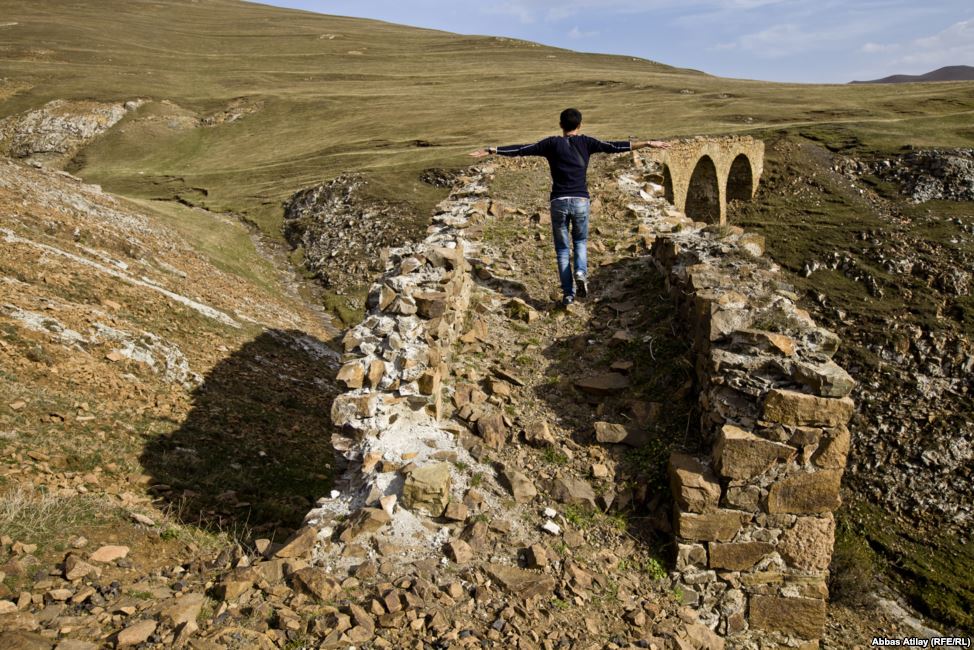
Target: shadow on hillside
x,y
628,301
254,452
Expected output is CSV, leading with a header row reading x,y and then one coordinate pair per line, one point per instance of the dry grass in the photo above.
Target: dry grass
x,y
341,94
35,517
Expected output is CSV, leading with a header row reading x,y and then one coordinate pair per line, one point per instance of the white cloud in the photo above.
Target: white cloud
x,y
519,10
878,48
528,11
952,46
788,39
577,33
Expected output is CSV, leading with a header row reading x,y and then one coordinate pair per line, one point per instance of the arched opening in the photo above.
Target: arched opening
x,y
667,184
703,194
740,180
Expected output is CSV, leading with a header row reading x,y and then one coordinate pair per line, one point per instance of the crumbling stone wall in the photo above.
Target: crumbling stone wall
x,y
394,362
753,517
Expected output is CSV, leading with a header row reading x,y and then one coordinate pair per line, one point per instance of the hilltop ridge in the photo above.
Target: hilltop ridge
x,y
946,73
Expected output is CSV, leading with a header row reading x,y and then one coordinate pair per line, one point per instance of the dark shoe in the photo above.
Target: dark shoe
x,y
581,286
567,300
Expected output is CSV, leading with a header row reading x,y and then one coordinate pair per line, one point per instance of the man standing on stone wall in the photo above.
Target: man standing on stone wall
x,y
568,157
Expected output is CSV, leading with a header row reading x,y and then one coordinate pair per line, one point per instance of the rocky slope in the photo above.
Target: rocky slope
x,y
338,230
557,532
131,361
52,134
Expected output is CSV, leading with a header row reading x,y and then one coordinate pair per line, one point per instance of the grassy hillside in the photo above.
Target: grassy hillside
x,y
333,94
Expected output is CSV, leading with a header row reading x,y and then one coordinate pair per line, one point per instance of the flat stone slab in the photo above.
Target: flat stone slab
x,y
802,617
603,383
518,582
806,493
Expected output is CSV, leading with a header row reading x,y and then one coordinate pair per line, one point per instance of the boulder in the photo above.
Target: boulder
x,y
536,556
377,370
493,430
537,434
459,551
352,374
697,636
182,610
608,433
827,379
456,511
107,554
573,491
521,487
833,449
521,583
299,544
428,488
21,640
135,634
429,382
430,304
315,582
694,485
365,521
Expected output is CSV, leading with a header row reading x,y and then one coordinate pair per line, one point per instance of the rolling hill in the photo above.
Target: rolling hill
x,y
339,94
946,73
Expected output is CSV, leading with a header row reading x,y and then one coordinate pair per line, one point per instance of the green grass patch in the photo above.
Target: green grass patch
x,y
552,456
934,570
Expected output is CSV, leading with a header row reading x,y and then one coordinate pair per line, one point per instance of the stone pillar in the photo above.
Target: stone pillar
x,y
753,514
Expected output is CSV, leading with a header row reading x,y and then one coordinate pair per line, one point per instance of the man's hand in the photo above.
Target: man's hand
x,y
479,153
656,144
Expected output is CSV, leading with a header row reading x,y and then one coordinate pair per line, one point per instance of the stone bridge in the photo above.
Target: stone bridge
x,y
701,175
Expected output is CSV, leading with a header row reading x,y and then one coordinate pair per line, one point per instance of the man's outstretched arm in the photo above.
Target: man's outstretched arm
x,y
653,144
536,149
620,146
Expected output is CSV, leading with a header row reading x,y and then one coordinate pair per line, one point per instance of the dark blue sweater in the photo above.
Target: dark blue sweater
x,y
567,158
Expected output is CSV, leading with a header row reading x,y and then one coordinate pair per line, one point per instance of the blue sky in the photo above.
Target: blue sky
x,y
777,40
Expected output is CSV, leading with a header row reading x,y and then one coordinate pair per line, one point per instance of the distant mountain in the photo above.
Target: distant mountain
x,y
947,73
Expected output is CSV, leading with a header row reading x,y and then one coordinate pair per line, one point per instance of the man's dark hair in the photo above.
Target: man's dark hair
x,y
570,119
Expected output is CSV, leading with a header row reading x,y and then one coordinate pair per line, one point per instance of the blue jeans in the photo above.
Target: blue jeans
x,y
570,214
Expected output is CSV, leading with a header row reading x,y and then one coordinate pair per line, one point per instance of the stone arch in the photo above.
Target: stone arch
x,y
667,184
740,179
703,192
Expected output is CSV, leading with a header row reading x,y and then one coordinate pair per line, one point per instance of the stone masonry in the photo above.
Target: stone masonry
x,y
753,518
700,175
399,454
